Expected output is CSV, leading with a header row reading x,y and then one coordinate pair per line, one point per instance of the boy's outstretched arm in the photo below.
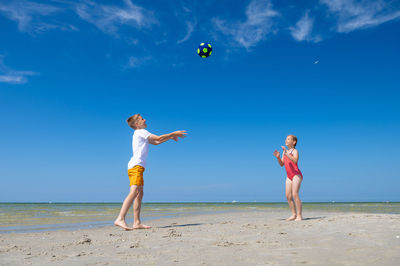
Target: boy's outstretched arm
x,y
156,140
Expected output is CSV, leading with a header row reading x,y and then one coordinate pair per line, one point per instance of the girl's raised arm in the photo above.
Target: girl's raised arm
x,y
277,155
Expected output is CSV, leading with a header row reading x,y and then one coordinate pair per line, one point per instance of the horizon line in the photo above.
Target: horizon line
x,y
174,202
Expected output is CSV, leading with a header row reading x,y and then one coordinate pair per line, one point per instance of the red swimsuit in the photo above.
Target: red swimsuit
x,y
291,168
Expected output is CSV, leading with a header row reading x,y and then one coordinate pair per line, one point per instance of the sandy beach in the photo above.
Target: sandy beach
x,y
234,238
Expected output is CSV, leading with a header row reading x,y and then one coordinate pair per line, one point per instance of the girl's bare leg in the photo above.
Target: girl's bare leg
x,y
290,199
295,192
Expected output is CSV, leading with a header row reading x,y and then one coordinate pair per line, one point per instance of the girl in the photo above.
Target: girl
x,y
290,157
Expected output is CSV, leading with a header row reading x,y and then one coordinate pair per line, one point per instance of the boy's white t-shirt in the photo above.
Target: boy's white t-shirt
x,y
140,147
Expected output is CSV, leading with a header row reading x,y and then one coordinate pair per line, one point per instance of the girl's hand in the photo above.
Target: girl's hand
x,y
284,149
277,154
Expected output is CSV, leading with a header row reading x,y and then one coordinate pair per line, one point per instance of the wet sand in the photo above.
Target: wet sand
x,y
235,238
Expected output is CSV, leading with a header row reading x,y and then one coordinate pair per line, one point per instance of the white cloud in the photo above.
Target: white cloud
x,y
303,29
134,62
28,16
110,18
13,79
133,41
190,29
354,15
255,28
10,76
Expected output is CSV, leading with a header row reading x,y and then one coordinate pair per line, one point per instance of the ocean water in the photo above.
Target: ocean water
x,y
31,217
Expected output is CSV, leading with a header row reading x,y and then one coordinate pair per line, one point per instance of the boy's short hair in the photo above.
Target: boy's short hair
x,y
132,120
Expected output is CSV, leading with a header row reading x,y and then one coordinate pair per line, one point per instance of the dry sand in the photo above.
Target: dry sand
x,y
239,238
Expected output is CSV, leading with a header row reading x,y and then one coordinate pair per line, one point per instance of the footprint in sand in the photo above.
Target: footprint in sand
x,y
252,226
172,233
136,245
86,240
228,244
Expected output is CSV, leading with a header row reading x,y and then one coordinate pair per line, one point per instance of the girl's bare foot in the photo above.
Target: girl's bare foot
x,y
291,218
141,226
299,218
122,224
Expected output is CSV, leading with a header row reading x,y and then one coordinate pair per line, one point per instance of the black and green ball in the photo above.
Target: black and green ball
x,y
204,50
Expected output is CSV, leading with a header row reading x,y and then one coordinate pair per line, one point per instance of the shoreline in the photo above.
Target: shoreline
x,y
38,217
234,238
43,228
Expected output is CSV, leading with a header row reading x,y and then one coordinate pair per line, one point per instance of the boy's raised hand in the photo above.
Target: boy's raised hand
x,y
179,134
277,154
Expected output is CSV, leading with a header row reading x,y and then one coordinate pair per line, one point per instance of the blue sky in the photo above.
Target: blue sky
x,y
72,72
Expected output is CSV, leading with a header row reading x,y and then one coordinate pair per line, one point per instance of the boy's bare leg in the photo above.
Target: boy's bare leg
x,y
296,188
289,198
120,221
136,211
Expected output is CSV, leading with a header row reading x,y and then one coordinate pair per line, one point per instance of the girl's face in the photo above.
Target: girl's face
x,y
289,141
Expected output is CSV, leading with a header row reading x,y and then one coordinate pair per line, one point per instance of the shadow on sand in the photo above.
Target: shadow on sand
x,y
177,225
314,218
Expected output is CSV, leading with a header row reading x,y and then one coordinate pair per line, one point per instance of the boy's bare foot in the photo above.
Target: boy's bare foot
x,y
122,224
291,218
299,218
141,226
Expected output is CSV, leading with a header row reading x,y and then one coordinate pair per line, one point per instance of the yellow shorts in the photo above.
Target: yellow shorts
x,y
136,175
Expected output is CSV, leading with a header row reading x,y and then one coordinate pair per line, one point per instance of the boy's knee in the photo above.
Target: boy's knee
x,y
134,192
289,197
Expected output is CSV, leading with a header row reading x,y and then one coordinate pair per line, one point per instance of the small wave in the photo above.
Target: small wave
x,y
66,213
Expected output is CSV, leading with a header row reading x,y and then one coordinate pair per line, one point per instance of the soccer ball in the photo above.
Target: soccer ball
x,y
204,50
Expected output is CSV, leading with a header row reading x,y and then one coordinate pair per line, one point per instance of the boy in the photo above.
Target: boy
x,y
140,145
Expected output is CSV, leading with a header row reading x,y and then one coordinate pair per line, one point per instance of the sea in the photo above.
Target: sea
x,y
36,217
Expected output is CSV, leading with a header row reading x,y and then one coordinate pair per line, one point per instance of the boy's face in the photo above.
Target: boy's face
x,y
141,123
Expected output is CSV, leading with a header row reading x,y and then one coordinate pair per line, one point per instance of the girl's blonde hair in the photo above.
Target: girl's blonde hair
x,y
132,120
294,138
